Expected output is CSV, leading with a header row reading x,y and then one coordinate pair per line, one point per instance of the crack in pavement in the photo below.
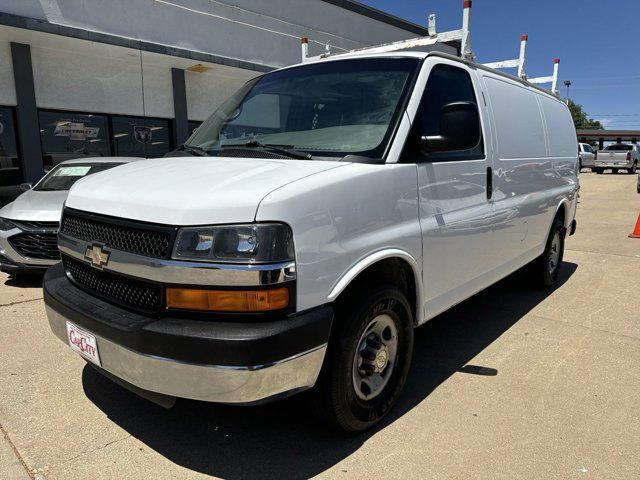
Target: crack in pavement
x,y
88,452
19,302
16,452
615,334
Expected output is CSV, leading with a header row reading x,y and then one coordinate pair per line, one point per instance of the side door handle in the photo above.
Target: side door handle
x,y
489,183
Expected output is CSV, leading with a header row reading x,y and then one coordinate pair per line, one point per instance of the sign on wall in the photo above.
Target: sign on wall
x,y
75,131
142,134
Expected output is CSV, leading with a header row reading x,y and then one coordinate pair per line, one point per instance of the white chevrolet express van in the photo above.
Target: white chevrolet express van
x,y
318,216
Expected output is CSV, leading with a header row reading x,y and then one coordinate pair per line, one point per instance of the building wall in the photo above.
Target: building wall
x,y
270,30
76,75
7,85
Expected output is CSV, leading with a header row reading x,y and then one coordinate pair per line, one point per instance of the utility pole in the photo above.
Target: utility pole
x,y
567,83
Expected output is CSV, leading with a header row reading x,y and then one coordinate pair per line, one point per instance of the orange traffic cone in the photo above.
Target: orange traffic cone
x,y
636,231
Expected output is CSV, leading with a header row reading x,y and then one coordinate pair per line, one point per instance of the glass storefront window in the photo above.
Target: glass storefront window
x,y
140,137
10,163
67,135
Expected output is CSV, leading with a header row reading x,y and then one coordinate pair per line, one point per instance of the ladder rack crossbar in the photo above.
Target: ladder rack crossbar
x,y
400,45
548,79
515,63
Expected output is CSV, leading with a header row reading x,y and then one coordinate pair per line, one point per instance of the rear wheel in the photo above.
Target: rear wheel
x,y
367,361
614,170
547,266
599,171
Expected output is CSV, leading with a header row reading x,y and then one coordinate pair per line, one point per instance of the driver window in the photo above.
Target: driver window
x,y
446,84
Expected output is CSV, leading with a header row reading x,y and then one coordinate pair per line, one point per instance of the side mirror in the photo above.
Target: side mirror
x,y
26,186
459,129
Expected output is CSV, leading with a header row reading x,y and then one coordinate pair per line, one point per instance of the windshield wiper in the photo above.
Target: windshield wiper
x,y
200,152
286,150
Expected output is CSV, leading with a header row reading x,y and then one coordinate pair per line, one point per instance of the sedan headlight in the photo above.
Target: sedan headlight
x,y
250,243
6,224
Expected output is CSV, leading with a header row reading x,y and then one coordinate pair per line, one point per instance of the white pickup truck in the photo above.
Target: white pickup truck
x,y
619,156
317,217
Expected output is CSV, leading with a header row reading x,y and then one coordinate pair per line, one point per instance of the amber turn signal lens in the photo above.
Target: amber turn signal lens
x,y
228,300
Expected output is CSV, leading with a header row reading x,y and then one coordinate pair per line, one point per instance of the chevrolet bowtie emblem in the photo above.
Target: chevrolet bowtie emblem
x,y
97,255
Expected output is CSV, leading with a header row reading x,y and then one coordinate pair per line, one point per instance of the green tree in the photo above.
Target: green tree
x,y
580,118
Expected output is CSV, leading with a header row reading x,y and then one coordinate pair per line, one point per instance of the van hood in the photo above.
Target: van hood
x,y
37,206
189,190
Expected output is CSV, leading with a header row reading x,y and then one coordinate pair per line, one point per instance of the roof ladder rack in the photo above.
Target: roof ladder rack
x,y
463,34
553,79
518,63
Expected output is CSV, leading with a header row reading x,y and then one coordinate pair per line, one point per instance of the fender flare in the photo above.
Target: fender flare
x,y
364,263
567,210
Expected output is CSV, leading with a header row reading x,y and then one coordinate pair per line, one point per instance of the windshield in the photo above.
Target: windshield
x,y
328,109
619,148
62,177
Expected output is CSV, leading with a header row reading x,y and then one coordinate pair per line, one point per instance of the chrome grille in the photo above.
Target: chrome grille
x,y
43,246
31,226
127,236
137,295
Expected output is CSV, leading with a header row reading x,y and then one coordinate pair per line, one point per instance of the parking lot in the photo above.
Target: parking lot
x,y
512,383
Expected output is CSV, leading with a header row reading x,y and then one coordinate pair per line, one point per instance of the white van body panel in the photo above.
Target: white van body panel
x,y
462,241
535,166
190,190
343,216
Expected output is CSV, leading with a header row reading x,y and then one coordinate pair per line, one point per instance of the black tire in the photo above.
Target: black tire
x,y
544,275
614,170
579,164
599,171
335,393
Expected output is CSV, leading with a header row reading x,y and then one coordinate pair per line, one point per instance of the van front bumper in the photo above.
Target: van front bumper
x,y
240,362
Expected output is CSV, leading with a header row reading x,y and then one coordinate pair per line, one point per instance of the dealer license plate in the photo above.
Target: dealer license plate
x,y
83,343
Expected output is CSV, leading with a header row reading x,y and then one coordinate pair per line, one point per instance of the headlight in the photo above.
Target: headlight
x,y
6,224
251,243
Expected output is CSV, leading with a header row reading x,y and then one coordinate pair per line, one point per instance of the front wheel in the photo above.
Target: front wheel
x,y
368,359
547,266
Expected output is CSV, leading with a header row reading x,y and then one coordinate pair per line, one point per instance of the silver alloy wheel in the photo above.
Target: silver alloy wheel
x,y
554,253
375,357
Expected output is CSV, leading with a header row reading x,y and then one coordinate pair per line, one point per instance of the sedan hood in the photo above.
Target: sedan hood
x,y
189,190
36,206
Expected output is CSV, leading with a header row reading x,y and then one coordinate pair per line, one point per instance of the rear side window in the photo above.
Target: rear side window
x,y
446,84
619,148
560,129
519,127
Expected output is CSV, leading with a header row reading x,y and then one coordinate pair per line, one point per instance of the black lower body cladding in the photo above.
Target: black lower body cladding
x,y
202,345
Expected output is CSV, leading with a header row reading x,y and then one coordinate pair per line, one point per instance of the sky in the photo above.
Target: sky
x,y
597,41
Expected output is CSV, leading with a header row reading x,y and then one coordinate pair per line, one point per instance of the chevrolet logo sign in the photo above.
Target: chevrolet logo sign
x,y
97,255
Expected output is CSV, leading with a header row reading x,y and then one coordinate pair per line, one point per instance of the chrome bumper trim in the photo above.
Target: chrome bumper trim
x,y
181,272
210,383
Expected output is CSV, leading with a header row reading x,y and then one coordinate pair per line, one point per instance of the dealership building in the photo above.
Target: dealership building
x,y
81,78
